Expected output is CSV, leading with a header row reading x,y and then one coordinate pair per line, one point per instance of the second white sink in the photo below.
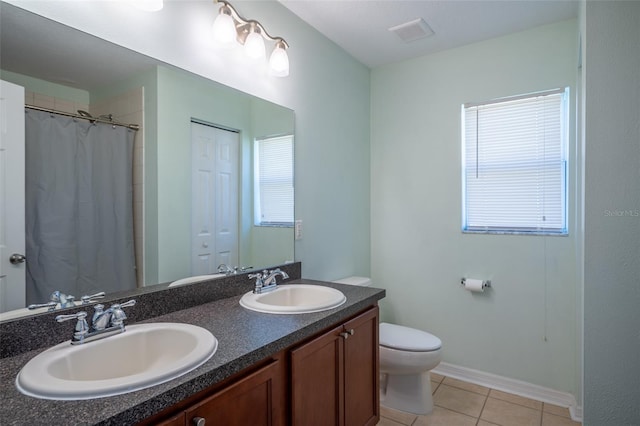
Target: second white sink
x,y
294,299
195,279
144,355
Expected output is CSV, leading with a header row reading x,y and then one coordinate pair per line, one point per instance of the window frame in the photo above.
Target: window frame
x,y
563,230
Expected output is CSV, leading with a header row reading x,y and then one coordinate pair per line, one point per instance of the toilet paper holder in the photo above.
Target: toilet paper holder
x,y
485,283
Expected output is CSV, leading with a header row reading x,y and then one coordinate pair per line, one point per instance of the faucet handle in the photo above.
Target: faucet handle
x,y
88,299
258,277
118,316
50,305
81,329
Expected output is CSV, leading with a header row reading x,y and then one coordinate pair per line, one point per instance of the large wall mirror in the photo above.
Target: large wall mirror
x,y
200,196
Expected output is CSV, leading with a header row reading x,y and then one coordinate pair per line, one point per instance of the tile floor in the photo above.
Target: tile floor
x,y
458,403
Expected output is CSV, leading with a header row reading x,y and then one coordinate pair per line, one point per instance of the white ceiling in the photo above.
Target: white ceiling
x,y
361,26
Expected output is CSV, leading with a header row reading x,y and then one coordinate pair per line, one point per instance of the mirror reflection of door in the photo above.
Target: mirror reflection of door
x,y
12,276
215,159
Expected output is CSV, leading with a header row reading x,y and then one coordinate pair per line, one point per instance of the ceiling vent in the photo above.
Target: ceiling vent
x,y
412,30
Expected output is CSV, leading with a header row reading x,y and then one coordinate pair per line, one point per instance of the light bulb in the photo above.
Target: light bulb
x,y
224,30
254,45
279,61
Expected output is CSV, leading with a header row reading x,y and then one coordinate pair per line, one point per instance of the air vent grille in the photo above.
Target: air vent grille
x,y
412,30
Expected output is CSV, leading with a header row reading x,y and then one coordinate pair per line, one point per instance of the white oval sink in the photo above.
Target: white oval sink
x,y
195,279
294,299
144,355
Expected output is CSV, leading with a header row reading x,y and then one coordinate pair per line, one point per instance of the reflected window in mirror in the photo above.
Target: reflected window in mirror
x,y
273,186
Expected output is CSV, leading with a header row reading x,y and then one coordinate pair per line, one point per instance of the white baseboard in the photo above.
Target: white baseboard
x,y
516,387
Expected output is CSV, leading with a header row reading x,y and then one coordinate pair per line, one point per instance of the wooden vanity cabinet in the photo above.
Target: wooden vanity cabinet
x,y
331,379
335,376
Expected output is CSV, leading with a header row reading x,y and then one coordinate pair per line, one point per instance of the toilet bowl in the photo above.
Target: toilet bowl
x,y
406,357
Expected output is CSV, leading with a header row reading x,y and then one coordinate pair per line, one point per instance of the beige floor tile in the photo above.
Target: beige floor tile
x,y
466,386
434,387
549,419
388,422
397,416
557,410
508,414
531,403
443,417
459,400
436,377
486,423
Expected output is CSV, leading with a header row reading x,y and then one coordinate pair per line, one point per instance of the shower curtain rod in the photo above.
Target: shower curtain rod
x,y
135,127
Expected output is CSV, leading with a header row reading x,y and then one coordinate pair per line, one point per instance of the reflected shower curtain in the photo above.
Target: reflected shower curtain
x,y
79,206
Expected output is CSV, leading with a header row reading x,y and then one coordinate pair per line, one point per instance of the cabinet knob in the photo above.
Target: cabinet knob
x,y
199,421
345,334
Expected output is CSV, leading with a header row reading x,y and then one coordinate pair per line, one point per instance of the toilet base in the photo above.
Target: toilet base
x,y
410,393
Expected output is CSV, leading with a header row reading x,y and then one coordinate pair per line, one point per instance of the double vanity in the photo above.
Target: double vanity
x,y
248,363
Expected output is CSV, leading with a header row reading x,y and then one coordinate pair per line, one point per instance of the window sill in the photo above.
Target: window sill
x,y
533,233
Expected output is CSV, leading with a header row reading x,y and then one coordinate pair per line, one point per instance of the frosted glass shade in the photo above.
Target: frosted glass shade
x,y
224,30
254,46
279,62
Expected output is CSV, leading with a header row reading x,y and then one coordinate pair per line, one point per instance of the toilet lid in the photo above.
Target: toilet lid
x,y
407,339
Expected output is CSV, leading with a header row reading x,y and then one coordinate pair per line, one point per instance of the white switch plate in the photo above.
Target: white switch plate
x,y
298,229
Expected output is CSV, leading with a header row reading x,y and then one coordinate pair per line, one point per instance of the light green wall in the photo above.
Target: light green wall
x,y
611,65
524,327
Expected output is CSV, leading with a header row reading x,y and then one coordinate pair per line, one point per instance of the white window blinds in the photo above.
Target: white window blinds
x,y
514,164
273,201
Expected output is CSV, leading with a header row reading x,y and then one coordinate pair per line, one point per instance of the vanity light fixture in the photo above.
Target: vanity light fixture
x,y
230,27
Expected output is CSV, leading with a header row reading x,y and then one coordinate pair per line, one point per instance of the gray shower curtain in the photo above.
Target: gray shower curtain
x,y
79,206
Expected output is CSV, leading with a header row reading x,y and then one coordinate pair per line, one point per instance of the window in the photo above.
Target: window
x,y
515,164
273,172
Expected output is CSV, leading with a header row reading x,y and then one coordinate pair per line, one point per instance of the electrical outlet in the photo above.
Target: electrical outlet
x,y
298,229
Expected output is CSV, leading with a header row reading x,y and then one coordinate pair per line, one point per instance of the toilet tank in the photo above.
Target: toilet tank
x,y
360,281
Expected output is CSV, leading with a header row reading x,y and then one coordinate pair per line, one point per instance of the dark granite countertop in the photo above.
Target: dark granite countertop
x,y
244,338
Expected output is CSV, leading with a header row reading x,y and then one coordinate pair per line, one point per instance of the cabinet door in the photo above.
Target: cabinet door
x,y
361,372
256,400
317,387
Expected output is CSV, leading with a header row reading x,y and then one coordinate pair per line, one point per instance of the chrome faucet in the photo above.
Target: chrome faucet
x,y
266,280
104,323
228,270
60,300
101,318
57,300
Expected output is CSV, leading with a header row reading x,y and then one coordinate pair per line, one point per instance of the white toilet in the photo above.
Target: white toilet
x,y
406,357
